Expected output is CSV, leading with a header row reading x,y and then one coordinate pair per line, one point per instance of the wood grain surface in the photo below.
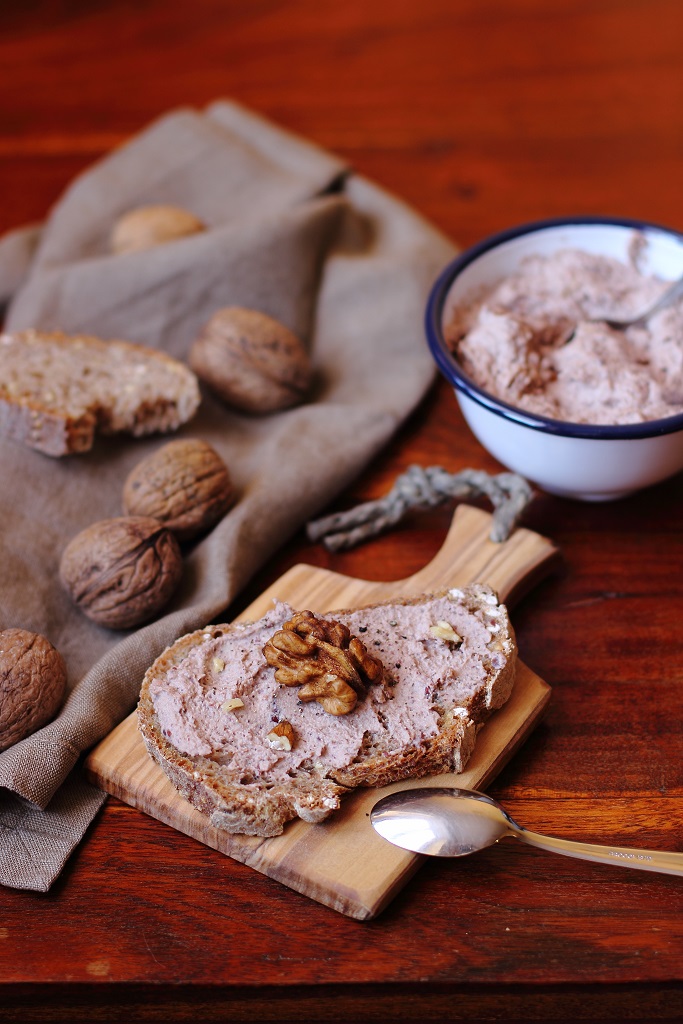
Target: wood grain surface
x,y
480,114
342,863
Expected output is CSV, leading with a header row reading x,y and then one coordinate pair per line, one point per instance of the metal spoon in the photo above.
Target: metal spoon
x,y
454,822
621,323
665,299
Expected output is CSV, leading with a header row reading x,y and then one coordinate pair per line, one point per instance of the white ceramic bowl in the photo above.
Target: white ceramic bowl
x,y
593,463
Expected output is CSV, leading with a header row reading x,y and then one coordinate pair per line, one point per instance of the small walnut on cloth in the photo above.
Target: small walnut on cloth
x,y
287,229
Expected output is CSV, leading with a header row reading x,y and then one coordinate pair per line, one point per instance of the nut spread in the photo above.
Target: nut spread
x,y
422,671
531,341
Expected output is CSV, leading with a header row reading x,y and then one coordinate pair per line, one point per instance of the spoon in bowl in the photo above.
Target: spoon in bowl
x,y
443,822
669,295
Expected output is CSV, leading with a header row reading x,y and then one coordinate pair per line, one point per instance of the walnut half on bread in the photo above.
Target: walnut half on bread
x,y
322,658
58,390
210,704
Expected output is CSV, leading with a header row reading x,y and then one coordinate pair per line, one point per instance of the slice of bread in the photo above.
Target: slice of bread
x,y
57,391
209,704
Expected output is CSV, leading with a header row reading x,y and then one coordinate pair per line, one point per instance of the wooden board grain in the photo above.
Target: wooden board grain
x,y
342,862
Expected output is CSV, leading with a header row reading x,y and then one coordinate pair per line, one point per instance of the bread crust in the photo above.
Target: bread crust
x,y
58,390
262,806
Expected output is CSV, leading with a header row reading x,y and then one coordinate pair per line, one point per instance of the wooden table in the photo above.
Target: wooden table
x,y
481,114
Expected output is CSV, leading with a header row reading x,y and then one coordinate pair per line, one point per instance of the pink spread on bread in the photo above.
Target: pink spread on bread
x,y
420,668
252,751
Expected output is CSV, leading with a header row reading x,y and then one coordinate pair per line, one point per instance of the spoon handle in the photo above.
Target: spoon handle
x,y
665,862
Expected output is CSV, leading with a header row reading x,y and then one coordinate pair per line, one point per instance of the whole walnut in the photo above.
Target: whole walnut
x,y
184,484
122,571
32,684
251,361
148,226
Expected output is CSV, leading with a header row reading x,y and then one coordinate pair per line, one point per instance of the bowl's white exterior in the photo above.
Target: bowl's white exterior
x,y
575,467
591,469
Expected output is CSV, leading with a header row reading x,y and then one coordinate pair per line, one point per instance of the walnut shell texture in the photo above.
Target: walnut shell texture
x,y
32,684
147,226
120,572
251,361
184,484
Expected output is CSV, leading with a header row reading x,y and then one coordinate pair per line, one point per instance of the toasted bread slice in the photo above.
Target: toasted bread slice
x,y
57,390
209,704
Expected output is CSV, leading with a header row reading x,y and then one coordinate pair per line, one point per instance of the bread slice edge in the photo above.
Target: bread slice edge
x,y
263,807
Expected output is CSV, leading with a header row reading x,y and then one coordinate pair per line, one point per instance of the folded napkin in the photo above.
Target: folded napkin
x,y
292,232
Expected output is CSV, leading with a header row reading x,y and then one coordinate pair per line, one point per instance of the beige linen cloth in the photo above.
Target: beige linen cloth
x,y
292,232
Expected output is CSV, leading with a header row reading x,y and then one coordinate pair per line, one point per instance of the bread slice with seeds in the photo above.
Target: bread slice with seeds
x,y
231,716
57,390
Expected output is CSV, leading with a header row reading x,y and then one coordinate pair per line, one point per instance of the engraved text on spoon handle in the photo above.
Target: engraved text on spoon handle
x,y
663,861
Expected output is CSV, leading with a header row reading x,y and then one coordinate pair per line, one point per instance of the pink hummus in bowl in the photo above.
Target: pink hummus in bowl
x,y
552,391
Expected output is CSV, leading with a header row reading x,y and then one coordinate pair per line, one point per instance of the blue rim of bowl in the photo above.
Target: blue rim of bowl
x,y
451,370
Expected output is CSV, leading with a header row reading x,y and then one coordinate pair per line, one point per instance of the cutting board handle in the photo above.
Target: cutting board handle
x,y
468,555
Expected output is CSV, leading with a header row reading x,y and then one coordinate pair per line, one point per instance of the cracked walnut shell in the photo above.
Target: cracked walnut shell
x,y
184,484
327,663
120,572
32,684
251,361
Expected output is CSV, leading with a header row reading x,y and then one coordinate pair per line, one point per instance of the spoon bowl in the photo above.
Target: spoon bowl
x,y
445,822
673,292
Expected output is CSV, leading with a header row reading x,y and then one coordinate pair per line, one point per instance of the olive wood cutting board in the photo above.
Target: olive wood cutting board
x,y
341,862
